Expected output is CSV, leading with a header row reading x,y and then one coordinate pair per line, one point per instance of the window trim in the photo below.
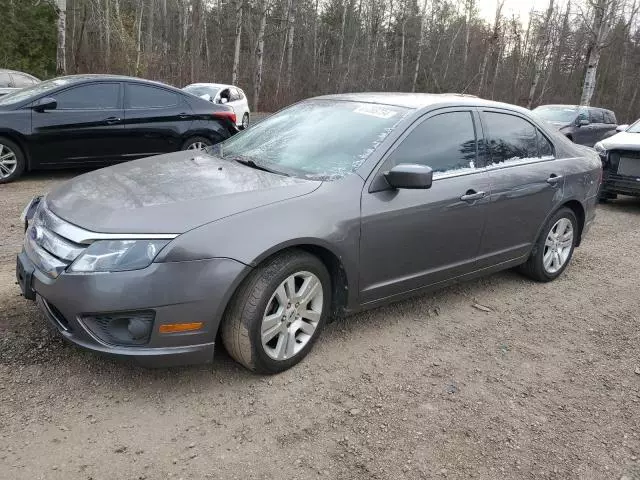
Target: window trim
x,y
73,87
163,107
379,170
498,166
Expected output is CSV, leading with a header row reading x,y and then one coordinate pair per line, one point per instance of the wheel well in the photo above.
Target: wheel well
x,y
578,210
336,270
15,139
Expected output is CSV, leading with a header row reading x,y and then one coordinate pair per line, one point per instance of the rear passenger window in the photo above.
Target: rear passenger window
x,y
595,115
5,80
544,146
609,118
143,96
22,81
445,142
511,138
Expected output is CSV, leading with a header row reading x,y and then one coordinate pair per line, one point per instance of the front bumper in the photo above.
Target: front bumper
x,y
620,184
177,292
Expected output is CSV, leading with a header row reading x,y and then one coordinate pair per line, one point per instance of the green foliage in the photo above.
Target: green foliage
x,y
28,39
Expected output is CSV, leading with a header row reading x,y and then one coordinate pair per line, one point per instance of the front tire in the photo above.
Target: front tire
x,y
278,312
554,248
12,161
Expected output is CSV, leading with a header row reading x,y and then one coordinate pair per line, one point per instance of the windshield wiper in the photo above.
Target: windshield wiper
x,y
252,164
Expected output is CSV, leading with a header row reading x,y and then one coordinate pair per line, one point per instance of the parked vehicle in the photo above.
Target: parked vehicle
x,y
11,81
88,120
620,156
225,95
583,125
361,200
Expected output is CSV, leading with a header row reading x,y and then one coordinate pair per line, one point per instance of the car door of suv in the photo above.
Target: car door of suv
x,y
597,124
526,185
85,127
156,120
415,238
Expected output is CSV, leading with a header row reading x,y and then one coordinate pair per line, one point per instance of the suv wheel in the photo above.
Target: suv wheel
x,y
12,161
554,248
278,312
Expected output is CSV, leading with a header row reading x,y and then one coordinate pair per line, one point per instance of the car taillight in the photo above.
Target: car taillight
x,y
229,115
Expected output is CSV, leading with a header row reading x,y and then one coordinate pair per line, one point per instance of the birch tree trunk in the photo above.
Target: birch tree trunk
x,y
541,54
107,33
420,46
344,22
61,61
236,52
139,13
603,14
257,82
492,41
292,23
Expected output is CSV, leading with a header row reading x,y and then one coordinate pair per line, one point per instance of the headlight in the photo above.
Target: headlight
x,y
118,255
599,147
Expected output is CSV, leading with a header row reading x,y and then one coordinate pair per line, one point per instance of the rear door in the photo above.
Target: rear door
x,y
86,127
598,127
526,185
156,119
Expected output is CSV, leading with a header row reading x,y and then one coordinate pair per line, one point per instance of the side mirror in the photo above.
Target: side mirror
x,y
408,175
583,122
46,103
622,128
223,100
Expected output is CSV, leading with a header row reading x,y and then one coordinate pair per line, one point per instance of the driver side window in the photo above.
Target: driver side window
x,y
446,142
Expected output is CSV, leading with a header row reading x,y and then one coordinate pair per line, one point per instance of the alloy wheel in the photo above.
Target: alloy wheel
x,y
8,161
292,315
197,146
558,245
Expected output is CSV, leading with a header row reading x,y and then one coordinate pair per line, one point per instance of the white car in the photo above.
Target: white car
x,y
224,94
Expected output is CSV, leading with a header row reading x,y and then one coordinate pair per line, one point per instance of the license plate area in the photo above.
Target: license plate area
x,y
24,276
629,166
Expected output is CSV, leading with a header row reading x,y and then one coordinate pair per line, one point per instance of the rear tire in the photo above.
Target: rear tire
x,y
12,160
196,143
278,312
554,248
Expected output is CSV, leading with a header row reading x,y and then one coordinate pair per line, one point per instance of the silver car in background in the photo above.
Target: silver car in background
x,y
333,205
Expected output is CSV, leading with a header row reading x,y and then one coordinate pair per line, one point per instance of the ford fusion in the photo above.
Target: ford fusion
x,y
333,205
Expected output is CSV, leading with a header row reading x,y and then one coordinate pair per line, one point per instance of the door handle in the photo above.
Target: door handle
x,y
112,120
553,179
183,116
472,196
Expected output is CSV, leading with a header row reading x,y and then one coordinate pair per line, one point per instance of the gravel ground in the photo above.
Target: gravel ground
x,y
543,383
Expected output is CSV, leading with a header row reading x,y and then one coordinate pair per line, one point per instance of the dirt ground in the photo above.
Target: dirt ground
x,y
544,385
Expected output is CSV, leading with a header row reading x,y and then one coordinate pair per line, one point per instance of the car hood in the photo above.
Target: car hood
x,y
622,140
170,193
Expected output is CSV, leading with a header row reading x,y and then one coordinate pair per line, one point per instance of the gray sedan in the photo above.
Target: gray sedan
x,y
333,205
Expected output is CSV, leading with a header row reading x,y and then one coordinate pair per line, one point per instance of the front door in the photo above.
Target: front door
x,y
526,186
415,238
85,127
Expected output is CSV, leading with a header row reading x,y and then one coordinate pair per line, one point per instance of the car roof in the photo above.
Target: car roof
x,y
559,105
419,100
214,85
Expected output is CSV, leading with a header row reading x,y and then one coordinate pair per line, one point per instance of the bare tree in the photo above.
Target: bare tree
x,y
236,51
61,60
541,53
257,82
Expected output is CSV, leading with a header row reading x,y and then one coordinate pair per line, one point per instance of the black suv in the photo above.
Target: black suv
x,y
583,125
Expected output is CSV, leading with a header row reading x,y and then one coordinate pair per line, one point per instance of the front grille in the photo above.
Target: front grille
x,y
56,316
625,163
46,245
